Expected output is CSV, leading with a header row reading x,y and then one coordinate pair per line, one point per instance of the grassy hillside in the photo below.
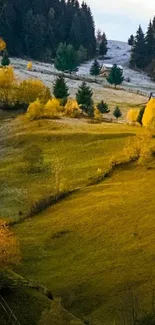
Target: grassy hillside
x,y
71,154
96,244
90,247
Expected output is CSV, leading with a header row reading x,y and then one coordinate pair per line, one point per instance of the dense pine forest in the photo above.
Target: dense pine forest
x,y
143,49
35,28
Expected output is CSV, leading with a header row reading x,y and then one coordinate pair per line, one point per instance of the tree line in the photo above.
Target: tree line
x,y
35,28
143,49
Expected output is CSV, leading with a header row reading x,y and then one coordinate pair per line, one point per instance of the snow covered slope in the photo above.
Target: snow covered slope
x,y
118,52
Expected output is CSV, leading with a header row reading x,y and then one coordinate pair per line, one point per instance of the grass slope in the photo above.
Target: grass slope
x,y
88,248
72,155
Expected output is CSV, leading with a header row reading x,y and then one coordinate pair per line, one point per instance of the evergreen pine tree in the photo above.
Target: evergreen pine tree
x,y
60,89
103,46
71,58
5,59
131,40
138,55
140,115
61,58
115,76
95,68
150,43
84,98
103,107
98,36
117,112
82,54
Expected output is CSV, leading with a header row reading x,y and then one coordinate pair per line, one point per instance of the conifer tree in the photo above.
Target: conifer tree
x,y
150,43
71,59
84,98
103,107
5,59
117,112
60,89
61,58
95,68
115,76
138,55
140,115
131,40
82,54
103,46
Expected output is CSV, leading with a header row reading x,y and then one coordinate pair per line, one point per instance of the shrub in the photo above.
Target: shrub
x,y
72,109
52,108
97,114
132,115
35,110
31,89
139,148
103,107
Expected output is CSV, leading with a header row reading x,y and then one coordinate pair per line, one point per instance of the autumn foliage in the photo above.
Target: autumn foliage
x,y
149,112
9,249
132,115
31,89
29,66
53,109
12,91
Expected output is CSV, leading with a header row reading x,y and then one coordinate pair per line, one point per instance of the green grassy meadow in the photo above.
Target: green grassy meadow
x,y
93,246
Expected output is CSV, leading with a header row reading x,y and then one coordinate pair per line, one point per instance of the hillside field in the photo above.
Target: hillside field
x,y
94,248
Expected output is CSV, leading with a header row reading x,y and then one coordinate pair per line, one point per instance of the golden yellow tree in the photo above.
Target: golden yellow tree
x,y
7,84
2,44
132,115
72,108
29,66
52,108
9,248
31,89
149,112
35,110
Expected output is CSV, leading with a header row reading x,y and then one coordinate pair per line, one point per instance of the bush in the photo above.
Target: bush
x,y
139,148
103,107
35,110
72,109
31,89
52,108
97,114
132,115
